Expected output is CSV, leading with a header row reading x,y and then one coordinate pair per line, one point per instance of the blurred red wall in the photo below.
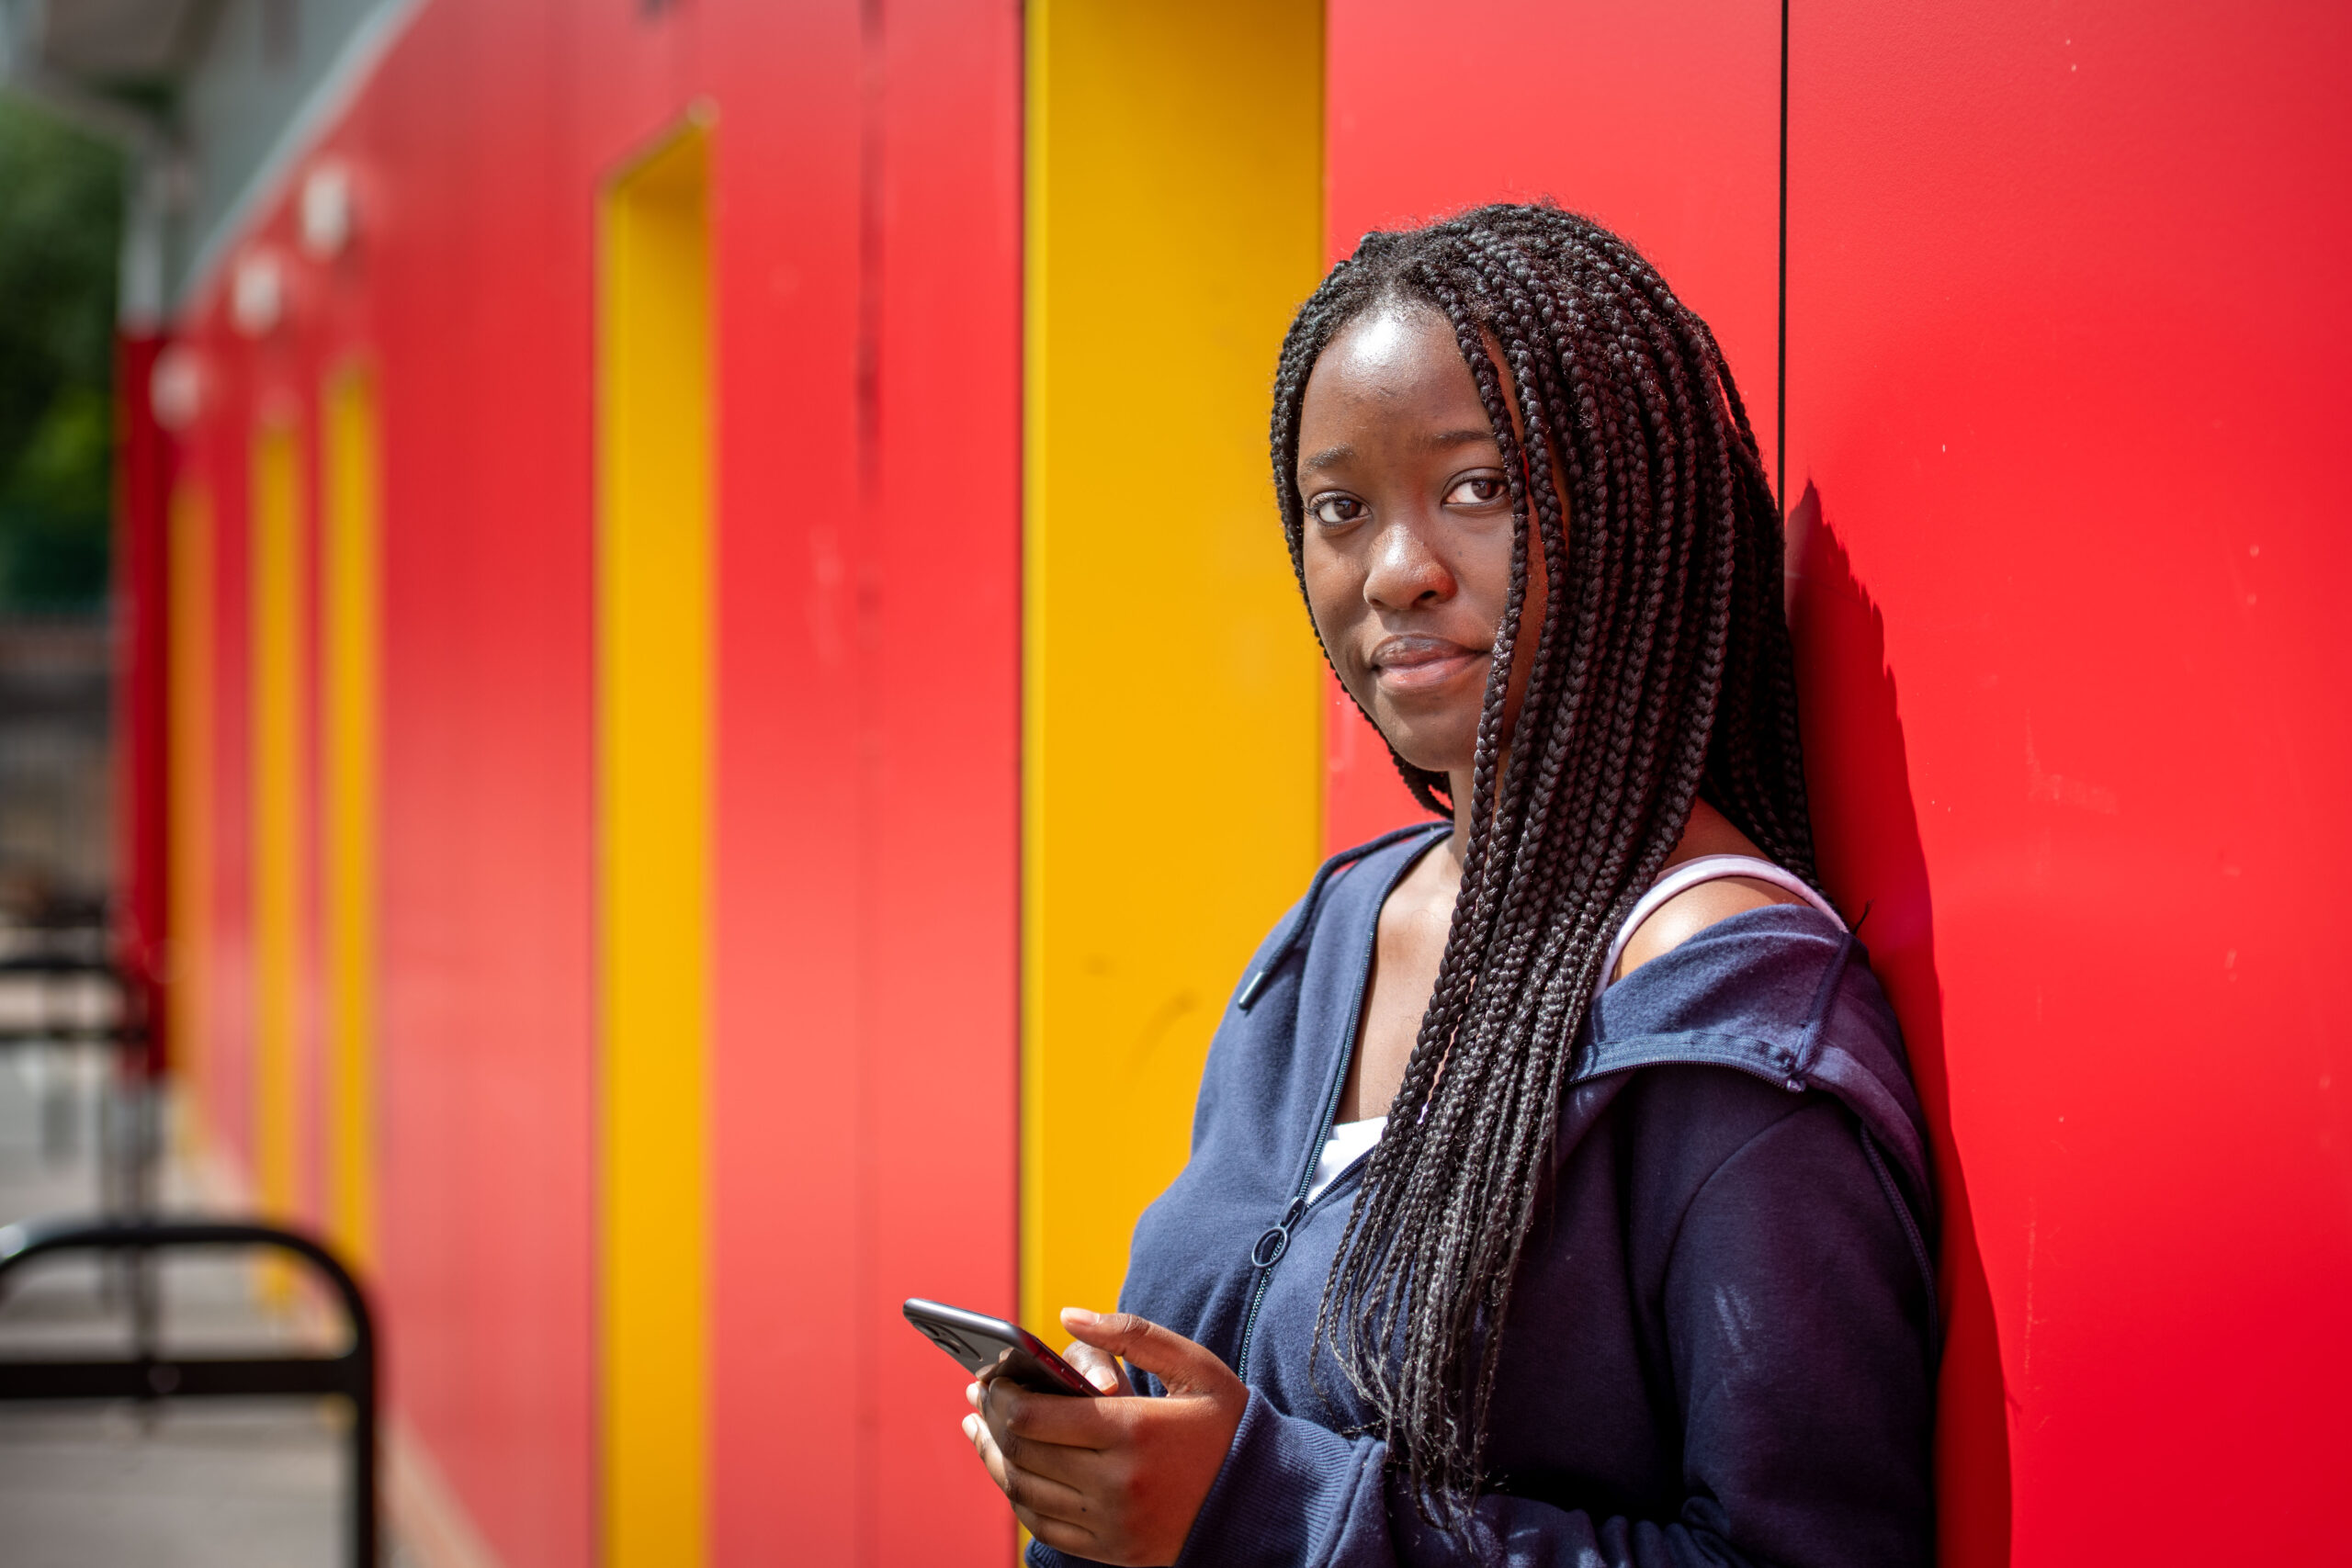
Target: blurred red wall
x,y
866,225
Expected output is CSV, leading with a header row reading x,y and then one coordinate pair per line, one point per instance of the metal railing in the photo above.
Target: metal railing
x,y
147,1374
129,1130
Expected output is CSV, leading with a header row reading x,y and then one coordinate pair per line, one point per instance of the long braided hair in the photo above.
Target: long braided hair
x,y
1662,671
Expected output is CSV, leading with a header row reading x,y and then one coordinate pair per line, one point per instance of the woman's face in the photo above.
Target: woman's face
x,y
1407,540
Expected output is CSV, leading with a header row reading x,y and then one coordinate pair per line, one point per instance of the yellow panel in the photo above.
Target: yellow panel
x,y
348,647
1172,784
277,550
188,951
653,775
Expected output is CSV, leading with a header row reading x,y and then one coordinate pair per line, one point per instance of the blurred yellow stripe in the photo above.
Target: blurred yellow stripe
x,y
349,649
653,775
190,872
276,564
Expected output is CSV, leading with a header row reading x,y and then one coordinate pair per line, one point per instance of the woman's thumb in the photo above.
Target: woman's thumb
x,y
1179,1363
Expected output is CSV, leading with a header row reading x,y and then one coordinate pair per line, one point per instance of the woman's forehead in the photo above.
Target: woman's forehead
x,y
1398,360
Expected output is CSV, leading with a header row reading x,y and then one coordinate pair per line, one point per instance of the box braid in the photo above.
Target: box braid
x,y
1662,671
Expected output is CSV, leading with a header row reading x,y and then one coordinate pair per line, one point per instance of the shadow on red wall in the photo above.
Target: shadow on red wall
x,y
1872,859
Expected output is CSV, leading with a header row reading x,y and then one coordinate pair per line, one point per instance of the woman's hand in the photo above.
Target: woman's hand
x,y
1120,1478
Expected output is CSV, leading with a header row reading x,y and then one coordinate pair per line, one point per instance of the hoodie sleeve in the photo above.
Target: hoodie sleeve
x,y
1793,1316
1295,1494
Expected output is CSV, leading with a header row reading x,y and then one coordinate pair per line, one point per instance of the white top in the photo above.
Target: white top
x,y
1351,1141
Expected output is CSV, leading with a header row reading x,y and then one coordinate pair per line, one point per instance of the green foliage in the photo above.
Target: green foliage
x,y
60,228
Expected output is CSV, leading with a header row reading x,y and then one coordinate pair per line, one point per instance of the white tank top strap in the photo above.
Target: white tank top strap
x,y
1689,875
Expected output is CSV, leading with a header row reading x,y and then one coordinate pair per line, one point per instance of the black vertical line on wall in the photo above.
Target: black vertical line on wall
x,y
1781,390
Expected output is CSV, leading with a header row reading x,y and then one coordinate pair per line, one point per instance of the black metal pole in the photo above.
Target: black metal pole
x,y
145,1375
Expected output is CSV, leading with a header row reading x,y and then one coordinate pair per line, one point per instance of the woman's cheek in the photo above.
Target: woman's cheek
x,y
1331,624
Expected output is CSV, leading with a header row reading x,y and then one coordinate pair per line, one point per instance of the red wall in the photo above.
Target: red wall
x,y
868,789
863,1148
2066,324
473,286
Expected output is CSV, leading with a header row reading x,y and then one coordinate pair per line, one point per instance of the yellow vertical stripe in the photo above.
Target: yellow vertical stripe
x,y
188,873
278,661
1171,788
653,774
348,647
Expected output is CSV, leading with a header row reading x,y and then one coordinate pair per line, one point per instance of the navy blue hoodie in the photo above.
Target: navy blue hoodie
x,y
1720,1347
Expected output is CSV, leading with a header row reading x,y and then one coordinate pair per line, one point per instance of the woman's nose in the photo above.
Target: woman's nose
x,y
1404,570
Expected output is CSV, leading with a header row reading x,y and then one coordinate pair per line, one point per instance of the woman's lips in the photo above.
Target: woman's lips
x,y
1418,663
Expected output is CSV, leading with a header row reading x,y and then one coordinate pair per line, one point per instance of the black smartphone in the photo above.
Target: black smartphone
x,y
979,1342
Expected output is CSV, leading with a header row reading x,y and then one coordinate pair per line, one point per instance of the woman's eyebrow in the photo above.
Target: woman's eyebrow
x,y
1331,456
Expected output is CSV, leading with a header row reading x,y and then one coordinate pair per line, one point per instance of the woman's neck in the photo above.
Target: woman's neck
x,y
1457,844
1707,832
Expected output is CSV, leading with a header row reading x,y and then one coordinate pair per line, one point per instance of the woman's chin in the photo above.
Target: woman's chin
x,y
1431,753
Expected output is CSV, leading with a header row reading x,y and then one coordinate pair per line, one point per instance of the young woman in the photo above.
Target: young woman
x,y
1635,1268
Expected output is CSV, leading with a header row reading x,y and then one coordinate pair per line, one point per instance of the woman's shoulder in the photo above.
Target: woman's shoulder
x,y
1694,909
1756,969
1784,994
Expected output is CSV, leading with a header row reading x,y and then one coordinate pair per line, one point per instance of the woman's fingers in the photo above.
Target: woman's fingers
x,y
1064,1420
1015,1432
1185,1367
1060,1534
1099,1367
975,1431
1035,1497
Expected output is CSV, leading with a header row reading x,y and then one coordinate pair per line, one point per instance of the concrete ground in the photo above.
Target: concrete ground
x,y
254,1485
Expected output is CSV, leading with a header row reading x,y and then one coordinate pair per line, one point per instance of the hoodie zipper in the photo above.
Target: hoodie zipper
x,y
1274,1240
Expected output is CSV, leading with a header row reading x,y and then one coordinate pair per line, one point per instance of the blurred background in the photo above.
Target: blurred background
x,y
649,690
60,234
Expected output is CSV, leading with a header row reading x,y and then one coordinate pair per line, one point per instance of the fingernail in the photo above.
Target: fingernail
x,y
970,1425
1079,1314
971,1393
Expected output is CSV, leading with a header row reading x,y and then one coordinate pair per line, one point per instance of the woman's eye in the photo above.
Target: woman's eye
x,y
1478,490
1336,511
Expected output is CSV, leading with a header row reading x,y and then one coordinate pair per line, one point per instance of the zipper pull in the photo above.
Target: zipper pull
x,y
1275,1240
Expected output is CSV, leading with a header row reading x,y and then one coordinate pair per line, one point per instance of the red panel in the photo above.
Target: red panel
x,y
475,269
791,1211
227,994
941,963
2066,331
863,1146
1661,120
870,292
